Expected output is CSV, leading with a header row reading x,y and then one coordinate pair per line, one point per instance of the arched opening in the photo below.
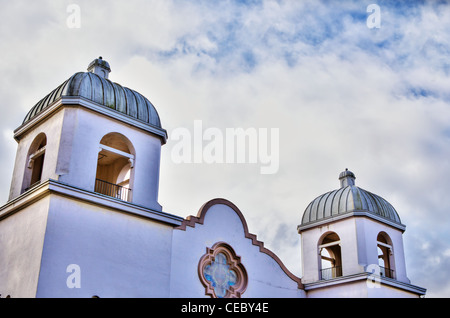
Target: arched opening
x,y
115,167
385,255
35,162
330,257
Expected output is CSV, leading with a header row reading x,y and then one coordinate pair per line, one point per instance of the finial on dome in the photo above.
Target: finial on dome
x,y
100,67
347,178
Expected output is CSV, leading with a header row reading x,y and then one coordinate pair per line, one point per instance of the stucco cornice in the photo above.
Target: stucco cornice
x,y
365,277
54,187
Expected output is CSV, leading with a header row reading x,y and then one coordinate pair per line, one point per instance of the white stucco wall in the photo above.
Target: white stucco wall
x,y
118,254
21,242
368,231
356,289
222,224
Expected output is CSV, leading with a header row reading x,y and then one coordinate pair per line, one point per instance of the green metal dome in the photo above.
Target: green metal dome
x,y
348,199
95,86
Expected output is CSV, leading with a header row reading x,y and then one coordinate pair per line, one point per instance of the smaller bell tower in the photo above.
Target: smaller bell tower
x,y
352,245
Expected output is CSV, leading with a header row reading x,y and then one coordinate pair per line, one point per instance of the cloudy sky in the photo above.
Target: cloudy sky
x,y
342,92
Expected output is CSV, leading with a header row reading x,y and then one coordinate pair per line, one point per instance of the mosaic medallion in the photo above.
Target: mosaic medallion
x,y
221,272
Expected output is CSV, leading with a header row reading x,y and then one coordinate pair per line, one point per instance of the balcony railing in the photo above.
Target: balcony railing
x,y
32,186
331,272
112,190
386,272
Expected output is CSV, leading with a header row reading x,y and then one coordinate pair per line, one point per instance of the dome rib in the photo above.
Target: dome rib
x,y
328,202
365,202
319,214
314,210
307,213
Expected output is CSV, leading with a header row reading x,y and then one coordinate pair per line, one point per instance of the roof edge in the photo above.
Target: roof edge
x,y
88,104
356,213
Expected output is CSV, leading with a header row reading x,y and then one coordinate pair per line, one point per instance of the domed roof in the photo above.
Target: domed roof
x,y
95,86
349,199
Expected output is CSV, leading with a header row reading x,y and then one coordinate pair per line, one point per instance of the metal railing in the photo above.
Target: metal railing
x,y
112,190
386,272
331,272
32,186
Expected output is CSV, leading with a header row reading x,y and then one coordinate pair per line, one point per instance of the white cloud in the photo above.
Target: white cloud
x,y
343,96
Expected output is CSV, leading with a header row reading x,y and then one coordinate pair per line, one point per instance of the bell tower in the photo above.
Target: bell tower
x,y
352,245
95,135
86,175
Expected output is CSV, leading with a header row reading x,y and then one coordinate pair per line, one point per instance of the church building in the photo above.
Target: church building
x,y
83,218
